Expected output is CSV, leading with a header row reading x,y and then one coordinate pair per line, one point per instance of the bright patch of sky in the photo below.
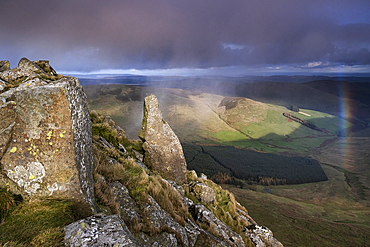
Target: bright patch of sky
x,y
312,68
233,46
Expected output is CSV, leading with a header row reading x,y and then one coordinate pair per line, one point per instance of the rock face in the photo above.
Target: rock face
x,y
4,65
99,230
224,232
45,135
202,192
163,151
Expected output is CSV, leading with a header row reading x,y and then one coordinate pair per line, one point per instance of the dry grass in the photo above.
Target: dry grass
x,y
6,203
168,198
38,223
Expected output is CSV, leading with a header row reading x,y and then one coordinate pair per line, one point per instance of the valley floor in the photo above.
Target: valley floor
x,y
331,213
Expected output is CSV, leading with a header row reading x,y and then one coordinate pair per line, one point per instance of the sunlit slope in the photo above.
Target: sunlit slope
x,y
215,119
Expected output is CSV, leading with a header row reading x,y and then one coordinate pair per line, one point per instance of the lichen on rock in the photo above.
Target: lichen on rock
x,y
45,135
162,149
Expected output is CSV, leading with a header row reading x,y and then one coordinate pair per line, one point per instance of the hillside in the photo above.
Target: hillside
x,y
73,178
338,205
215,119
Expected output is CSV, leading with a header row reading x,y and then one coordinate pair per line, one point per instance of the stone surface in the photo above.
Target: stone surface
x,y
45,66
164,239
159,218
199,237
262,237
25,70
163,151
202,215
45,138
99,230
192,175
2,85
4,65
202,192
127,206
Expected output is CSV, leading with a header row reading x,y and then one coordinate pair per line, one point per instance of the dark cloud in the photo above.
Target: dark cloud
x,y
93,35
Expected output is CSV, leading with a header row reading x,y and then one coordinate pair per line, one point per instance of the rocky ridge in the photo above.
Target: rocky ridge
x,y
47,125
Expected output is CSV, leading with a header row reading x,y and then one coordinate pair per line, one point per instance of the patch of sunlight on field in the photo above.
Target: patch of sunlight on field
x,y
230,136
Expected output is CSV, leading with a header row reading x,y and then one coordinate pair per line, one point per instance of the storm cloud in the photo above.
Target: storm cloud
x,y
117,34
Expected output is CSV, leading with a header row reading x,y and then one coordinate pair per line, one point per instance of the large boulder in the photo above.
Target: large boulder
x,y
45,138
25,70
162,149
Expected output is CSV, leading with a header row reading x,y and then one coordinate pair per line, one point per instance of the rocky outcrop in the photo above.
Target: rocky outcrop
x,y
4,65
262,237
202,192
127,206
221,230
153,223
163,151
45,135
99,230
46,151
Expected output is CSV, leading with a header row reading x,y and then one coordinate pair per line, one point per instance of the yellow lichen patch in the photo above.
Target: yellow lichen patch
x,y
30,148
49,134
61,135
13,150
31,177
50,143
84,225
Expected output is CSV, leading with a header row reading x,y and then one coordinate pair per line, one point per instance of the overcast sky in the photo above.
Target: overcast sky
x,y
93,35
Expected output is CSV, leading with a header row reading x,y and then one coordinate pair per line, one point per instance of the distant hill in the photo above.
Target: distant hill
x,y
359,91
207,118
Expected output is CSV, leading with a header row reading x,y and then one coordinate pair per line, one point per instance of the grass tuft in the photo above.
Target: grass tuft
x,y
39,223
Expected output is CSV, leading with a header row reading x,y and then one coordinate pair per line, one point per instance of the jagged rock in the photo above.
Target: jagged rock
x,y
202,215
4,65
248,221
127,206
99,230
181,191
2,85
262,237
45,66
162,149
203,176
202,192
199,237
164,239
45,139
160,219
25,70
105,143
123,150
192,175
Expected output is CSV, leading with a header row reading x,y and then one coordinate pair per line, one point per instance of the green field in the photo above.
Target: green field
x,y
330,213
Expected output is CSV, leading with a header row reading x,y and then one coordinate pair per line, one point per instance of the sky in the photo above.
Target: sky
x,y
193,36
